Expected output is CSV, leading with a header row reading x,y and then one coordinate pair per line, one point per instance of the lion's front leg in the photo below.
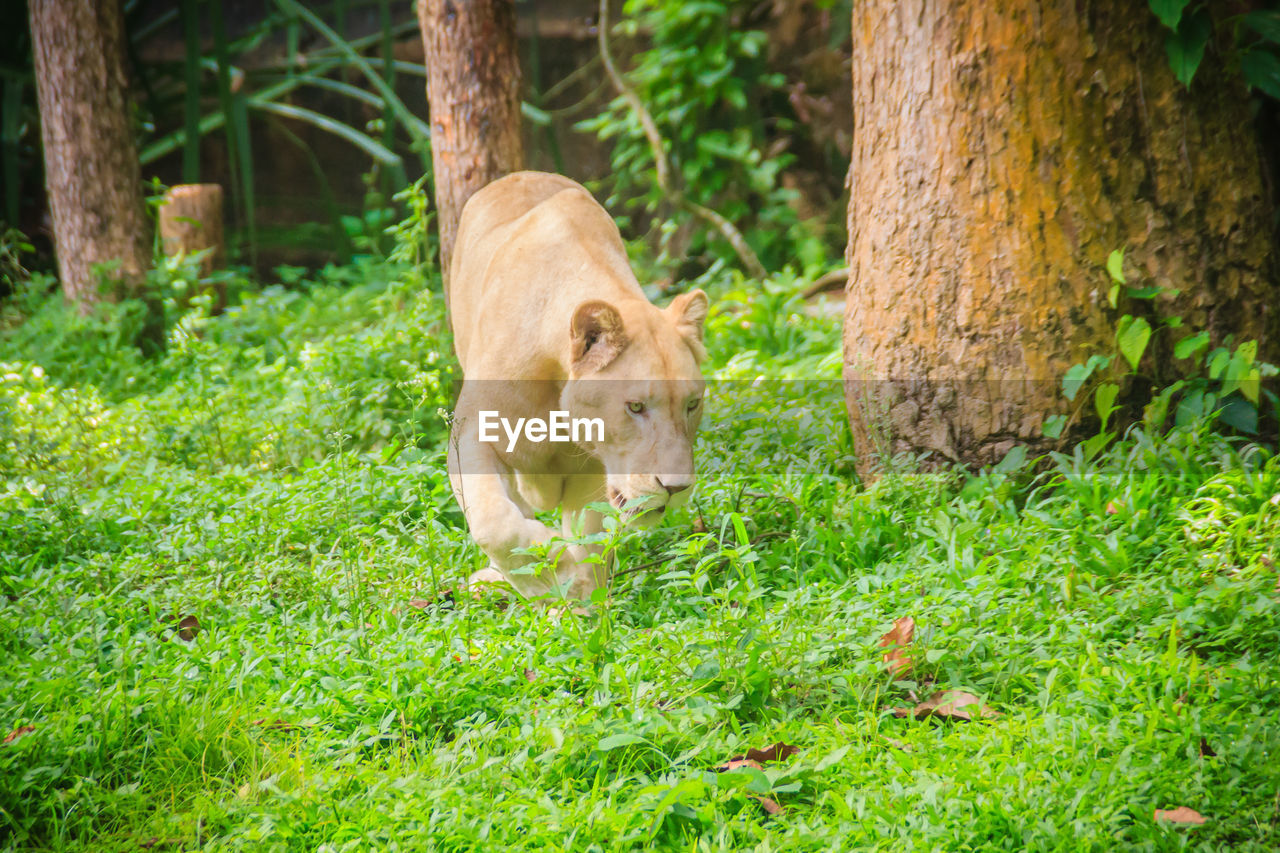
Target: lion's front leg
x,y
501,524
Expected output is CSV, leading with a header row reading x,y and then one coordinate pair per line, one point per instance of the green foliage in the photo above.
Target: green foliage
x,y
242,88
279,476
1224,384
1256,36
705,80
1185,45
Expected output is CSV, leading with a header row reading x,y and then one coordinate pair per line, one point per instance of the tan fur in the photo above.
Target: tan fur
x,y
547,314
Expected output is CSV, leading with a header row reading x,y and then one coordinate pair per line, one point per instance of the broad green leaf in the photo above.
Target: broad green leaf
x,y
1265,24
1054,425
1247,352
1191,408
1012,461
1191,345
832,758
615,741
1113,294
1168,11
1251,385
1115,266
1078,374
1132,336
706,670
1185,48
1155,412
1218,362
1104,401
1261,70
1239,414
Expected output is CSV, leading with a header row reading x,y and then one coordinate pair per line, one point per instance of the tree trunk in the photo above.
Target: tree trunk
x,y
1001,150
91,160
473,92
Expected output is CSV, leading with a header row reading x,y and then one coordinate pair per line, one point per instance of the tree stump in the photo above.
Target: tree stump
x,y
190,222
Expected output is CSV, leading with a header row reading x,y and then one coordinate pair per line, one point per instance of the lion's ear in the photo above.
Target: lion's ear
x,y
597,336
689,311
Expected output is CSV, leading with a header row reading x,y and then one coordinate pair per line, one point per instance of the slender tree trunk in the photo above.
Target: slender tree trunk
x,y
473,92
91,159
1001,150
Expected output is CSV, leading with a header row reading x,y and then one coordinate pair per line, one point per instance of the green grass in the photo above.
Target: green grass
x,y
279,477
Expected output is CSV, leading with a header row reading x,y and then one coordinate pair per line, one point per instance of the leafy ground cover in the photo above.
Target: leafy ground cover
x,y
228,622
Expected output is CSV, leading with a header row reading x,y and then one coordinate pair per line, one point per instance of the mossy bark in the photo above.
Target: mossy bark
x,y
1001,150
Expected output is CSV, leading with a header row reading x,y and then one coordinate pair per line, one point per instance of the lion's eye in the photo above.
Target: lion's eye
x,y
694,404
635,407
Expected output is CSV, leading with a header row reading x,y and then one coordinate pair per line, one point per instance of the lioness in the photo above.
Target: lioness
x,y
547,316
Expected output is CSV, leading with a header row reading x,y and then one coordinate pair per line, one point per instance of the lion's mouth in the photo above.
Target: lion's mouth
x,y
639,512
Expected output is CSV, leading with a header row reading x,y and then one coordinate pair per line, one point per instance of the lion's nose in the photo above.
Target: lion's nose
x,y
674,485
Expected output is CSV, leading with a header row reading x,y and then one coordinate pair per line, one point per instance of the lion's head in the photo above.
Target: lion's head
x,y
636,368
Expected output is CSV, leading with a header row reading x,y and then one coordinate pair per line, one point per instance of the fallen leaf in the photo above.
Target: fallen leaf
x,y
188,627
1206,751
277,725
897,661
1181,814
770,806
777,752
18,732
949,705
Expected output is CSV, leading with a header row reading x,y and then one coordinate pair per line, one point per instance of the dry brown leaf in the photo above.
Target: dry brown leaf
x,y
896,660
277,725
770,806
777,752
188,627
18,732
1181,814
948,705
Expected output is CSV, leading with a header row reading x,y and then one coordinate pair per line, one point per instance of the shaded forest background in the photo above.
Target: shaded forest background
x,y
779,107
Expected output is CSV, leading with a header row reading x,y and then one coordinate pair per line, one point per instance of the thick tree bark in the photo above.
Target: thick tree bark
x,y
1001,150
91,159
473,92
